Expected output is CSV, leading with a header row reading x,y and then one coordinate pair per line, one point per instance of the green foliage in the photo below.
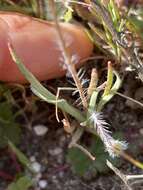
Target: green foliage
x,y
137,25
39,9
9,129
21,157
111,36
118,24
81,163
78,159
115,15
68,15
112,23
111,88
43,93
106,97
23,183
8,5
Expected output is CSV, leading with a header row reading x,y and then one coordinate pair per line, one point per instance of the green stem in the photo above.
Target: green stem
x,y
42,92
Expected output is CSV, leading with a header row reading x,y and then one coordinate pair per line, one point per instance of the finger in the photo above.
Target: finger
x,y
37,44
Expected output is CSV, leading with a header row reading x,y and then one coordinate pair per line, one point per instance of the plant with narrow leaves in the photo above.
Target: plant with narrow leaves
x,y
90,119
95,119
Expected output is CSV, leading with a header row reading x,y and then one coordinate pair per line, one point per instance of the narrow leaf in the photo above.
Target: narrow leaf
x,y
22,183
42,92
21,157
113,91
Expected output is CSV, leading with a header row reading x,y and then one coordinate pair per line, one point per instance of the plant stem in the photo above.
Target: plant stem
x,y
130,177
132,160
84,150
119,174
39,90
130,99
67,57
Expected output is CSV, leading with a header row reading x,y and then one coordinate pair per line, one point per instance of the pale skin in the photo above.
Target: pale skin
x,y
37,45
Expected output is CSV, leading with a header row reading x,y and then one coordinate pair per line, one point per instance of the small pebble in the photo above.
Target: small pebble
x,y
141,131
38,176
32,159
55,151
43,184
36,167
40,130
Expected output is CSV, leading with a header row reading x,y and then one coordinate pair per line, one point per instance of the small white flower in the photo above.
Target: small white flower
x,y
112,146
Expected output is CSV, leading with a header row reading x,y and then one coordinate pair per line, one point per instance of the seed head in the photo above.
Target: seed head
x,y
112,146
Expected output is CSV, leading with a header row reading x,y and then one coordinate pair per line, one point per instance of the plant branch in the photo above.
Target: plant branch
x,y
84,150
119,173
67,57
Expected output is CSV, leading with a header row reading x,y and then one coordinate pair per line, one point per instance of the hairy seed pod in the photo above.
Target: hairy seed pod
x,y
93,82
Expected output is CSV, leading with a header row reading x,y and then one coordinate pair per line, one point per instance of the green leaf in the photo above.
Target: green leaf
x,y
68,15
6,114
114,11
98,150
5,92
137,25
44,93
23,183
93,101
81,163
21,157
109,80
101,156
9,129
114,89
